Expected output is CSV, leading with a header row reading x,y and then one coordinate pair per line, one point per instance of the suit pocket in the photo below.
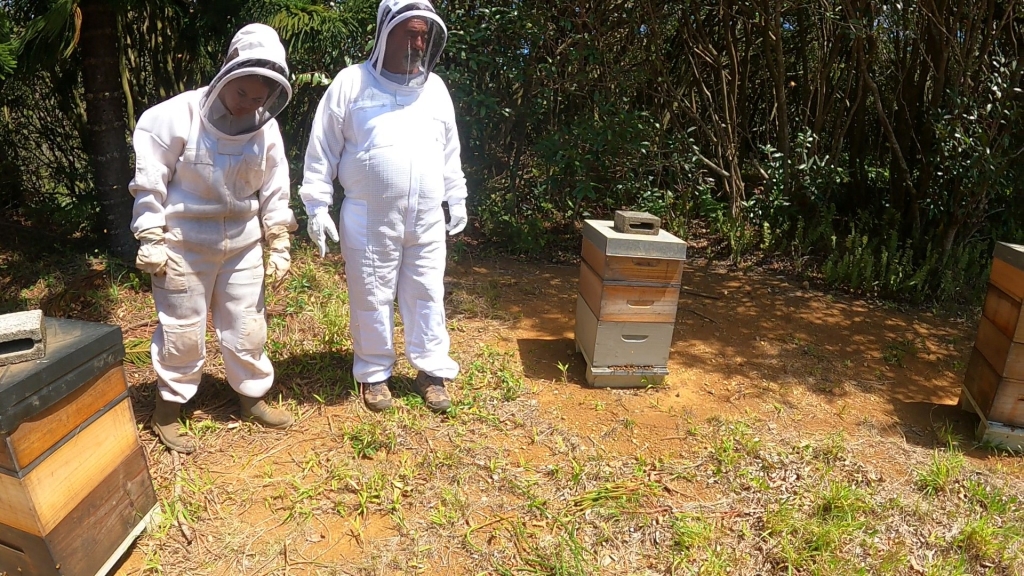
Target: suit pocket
x,y
176,274
245,175
184,344
197,167
354,224
253,336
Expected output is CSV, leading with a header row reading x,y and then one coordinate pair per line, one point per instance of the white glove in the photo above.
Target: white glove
x,y
458,217
280,255
320,226
152,255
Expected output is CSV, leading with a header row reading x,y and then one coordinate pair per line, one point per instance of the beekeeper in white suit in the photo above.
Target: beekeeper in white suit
x,y
211,187
386,131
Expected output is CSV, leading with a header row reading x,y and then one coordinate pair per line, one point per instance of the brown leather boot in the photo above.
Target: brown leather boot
x,y
431,388
165,424
257,410
376,396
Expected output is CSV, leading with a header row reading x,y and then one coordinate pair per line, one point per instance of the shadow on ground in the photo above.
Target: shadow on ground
x,y
759,338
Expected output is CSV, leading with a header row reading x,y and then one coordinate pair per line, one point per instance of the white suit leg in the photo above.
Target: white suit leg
x,y
178,348
421,302
238,317
372,258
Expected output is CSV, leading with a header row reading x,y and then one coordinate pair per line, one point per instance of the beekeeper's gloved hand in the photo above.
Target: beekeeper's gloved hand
x,y
458,217
320,226
152,255
280,256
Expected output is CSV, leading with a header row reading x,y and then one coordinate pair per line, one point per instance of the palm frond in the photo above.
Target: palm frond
x,y
136,352
8,48
50,37
8,59
315,35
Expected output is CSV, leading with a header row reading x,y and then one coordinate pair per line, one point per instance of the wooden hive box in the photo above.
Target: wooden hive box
x,y
75,488
629,354
628,294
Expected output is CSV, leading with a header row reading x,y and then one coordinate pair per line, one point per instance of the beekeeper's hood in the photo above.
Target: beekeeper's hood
x,y
390,14
255,50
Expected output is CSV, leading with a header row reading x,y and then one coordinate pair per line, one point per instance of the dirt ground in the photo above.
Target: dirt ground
x,y
785,364
796,363
746,340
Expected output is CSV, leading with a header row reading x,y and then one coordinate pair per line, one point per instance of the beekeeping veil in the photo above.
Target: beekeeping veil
x,y
255,50
390,14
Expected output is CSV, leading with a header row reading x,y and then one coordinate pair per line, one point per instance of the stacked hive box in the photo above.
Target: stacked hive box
x,y
994,383
628,293
75,487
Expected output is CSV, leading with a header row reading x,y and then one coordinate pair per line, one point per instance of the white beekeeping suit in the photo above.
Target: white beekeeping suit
x,y
209,186
390,140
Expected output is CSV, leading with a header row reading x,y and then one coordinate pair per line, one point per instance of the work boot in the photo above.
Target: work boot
x,y
165,424
256,410
376,395
431,388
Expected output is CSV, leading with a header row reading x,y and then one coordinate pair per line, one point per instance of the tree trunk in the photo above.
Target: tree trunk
x,y
107,143
776,60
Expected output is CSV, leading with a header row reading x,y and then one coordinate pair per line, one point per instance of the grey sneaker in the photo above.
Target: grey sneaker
x,y
431,388
376,395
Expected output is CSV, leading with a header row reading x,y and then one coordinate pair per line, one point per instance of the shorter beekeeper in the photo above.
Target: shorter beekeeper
x,y
211,190
385,129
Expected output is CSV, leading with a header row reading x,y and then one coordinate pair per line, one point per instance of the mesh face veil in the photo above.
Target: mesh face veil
x,y
255,50
418,65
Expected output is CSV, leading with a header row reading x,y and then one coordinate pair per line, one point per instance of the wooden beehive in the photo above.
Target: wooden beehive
x,y
994,383
75,488
628,294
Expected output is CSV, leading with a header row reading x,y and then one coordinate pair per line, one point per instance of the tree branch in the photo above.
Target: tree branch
x,y
886,126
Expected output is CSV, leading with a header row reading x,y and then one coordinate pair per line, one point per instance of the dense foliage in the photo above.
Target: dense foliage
x,y
875,144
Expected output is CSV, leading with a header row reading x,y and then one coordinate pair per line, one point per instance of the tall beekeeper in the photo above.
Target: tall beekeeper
x,y
211,190
385,129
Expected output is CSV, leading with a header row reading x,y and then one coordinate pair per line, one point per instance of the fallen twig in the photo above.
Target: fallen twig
x,y
141,324
876,383
179,517
708,318
330,537
469,533
701,294
658,510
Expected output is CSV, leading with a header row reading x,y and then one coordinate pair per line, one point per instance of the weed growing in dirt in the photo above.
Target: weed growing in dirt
x,y
896,351
369,438
942,471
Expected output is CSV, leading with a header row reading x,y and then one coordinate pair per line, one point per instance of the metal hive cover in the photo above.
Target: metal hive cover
x,y
76,352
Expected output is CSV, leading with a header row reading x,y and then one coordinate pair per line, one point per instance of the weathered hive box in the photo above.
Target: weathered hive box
x,y
75,488
628,295
994,383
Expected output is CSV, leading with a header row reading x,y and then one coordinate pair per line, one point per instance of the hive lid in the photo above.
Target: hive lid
x,y
1012,254
76,352
612,243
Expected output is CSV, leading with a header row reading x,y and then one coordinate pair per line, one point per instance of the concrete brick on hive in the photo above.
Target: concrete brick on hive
x,y
22,337
630,222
